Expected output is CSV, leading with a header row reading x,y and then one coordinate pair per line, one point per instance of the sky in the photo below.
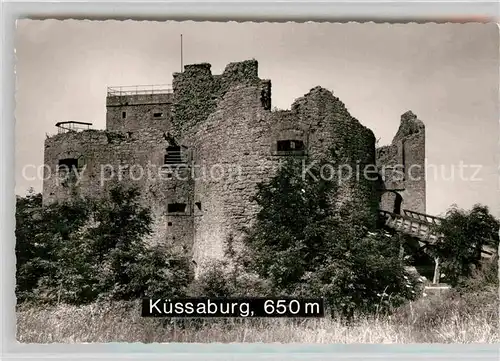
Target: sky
x,y
447,74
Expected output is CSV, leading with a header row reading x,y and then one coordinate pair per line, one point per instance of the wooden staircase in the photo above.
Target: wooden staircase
x,y
420,225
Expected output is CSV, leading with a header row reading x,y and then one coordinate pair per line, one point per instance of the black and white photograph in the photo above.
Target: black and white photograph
x,y
256,182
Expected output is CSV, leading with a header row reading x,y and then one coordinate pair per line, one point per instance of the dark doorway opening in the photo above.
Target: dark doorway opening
x,y
397,203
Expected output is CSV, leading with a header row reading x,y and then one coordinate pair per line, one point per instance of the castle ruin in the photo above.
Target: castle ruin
x,y
198,150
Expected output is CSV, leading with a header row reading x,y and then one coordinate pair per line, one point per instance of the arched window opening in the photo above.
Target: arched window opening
x,y
391,201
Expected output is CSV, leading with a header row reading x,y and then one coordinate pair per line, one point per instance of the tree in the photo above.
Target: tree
x,y
40,234
463,236
290,233
28,253
304,244
80,250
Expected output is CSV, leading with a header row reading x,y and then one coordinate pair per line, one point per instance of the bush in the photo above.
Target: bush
x,y
221,279
369,278
44,241
215,281
482,278
303,245
82,250
464,233
451,307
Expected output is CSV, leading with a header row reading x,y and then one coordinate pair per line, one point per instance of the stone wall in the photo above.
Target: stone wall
x,y
133,112
234,142
402,166
197,92
240,137
232,155
349,147
194,97
133,159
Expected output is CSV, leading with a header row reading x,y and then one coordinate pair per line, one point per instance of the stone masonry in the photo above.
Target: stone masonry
x,y
197,153
402,167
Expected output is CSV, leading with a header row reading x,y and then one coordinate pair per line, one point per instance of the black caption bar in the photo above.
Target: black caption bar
x,y
232,307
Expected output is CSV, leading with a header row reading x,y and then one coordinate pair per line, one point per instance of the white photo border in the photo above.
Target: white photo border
x,y
330,11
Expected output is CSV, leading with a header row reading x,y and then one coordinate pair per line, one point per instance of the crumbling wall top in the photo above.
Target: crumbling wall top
x,y
325,104
197,92
242,71
322,100
205,67
408,126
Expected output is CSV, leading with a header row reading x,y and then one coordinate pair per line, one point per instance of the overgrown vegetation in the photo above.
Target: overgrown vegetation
x,y
447,318
464,234
301,246
92,253
83,250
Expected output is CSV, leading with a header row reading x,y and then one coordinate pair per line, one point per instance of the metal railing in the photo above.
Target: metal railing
x,y
72,126
139,89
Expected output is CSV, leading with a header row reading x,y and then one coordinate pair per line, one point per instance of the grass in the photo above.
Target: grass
x,y
445,318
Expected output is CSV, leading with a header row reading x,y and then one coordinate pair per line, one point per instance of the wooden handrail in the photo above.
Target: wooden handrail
x,y
422,214
411,219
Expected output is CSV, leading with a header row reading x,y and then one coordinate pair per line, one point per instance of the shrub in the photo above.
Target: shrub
x,y
304,245
215,281
81,250
223,279
482,278
44,241
464,233
368,278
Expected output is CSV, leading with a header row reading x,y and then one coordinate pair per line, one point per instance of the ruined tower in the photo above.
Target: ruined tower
x,y
197,152
129,109
402,168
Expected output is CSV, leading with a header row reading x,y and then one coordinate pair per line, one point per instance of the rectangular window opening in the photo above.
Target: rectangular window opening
x,y
198,205
176,208
124,115
67,164
157,115
290,146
